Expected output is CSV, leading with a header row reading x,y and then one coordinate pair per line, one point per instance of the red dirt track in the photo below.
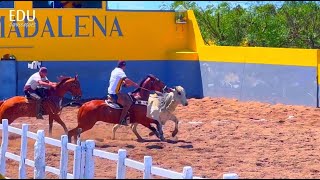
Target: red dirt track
x,y
216,136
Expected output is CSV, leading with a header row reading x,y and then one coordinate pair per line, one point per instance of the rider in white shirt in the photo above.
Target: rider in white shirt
x,y
33,86
118,79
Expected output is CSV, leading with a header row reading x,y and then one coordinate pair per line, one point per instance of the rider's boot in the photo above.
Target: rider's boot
x,y
38,109
109,99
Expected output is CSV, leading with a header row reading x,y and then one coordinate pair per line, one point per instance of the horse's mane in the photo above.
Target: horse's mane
x,y
63,80
141,83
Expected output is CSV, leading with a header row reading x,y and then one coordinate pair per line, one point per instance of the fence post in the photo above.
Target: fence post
x,y
39,156
77,162
89,167
23,152
121,167
187,173
4,146
82,160
147,167
64,157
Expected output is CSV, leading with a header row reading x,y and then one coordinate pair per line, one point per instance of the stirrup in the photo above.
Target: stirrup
x,y
110,99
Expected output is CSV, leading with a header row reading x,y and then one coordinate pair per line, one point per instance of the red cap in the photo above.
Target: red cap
x,y
121,63
43,69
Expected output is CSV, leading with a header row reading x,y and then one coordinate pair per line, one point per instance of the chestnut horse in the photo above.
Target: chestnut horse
x,y
148,84
20,106
98,110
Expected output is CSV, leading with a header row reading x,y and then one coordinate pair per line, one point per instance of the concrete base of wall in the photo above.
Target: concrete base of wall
x,y
256,82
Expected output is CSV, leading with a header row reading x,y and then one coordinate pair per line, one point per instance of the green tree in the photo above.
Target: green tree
x,y
229,23
265,27
292,24
303,23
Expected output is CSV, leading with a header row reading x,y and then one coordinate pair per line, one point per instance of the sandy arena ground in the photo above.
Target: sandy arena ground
x,y
255,140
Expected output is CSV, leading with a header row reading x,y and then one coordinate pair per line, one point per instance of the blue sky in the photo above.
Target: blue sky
x,y
155,5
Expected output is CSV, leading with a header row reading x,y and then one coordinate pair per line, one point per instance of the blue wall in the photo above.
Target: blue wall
x,y
258,82
8,77
6,4
94,75
247,82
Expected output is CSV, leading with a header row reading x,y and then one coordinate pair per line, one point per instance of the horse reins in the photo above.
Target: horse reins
x,y
150,90
144,89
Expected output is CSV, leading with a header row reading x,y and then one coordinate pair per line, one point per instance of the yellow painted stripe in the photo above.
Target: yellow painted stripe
x,y
257,55
22,5
142,40
119,85
195,39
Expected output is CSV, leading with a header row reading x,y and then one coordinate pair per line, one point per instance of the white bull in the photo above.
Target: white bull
x,y
161,108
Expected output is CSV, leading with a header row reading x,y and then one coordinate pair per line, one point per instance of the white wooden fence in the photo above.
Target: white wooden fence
x,y
83,163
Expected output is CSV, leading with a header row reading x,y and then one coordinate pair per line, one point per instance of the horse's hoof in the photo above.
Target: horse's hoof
x,y
140,140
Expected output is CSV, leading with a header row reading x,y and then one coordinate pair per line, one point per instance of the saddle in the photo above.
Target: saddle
x,y
44,94
111,103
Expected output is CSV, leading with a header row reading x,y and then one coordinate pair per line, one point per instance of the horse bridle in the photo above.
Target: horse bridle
x,y
74,99
156,79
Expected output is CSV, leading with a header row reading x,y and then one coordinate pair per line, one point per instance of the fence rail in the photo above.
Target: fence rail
x,y
83,163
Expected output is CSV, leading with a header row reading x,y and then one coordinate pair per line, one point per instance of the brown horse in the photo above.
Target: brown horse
x,y
98,110
150,83
20,106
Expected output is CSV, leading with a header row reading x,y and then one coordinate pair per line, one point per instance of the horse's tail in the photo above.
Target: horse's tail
x,y
1,102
